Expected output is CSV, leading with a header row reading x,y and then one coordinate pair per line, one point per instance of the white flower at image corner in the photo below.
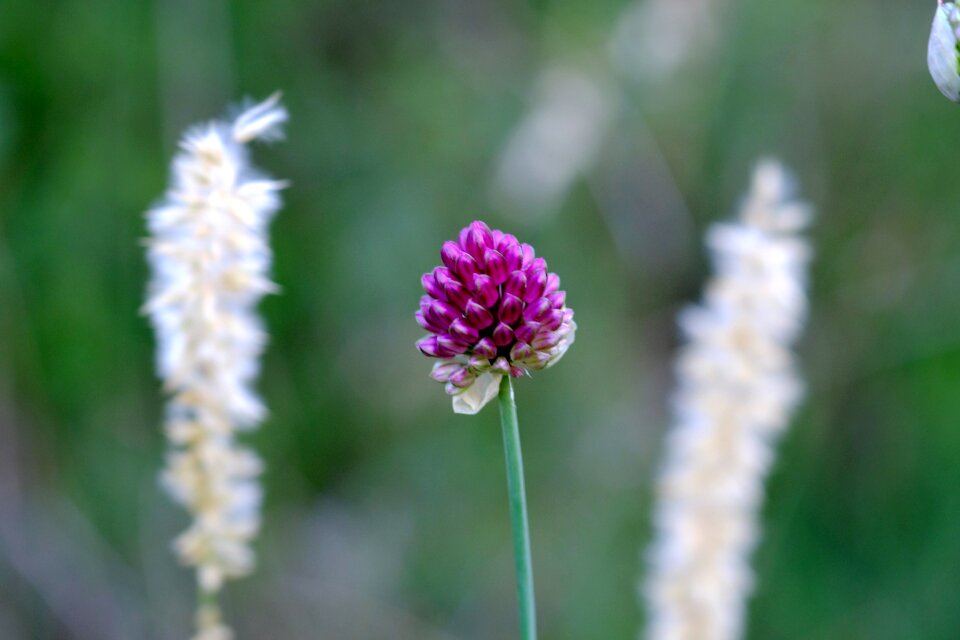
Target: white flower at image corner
x,y
943,59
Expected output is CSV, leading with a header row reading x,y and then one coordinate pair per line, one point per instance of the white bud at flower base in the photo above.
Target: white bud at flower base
x,y
943,57
737,388
210,260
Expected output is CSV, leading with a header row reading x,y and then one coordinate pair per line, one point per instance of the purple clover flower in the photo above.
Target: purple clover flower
x,y
492,309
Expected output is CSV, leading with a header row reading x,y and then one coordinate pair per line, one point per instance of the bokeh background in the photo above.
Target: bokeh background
x,y
609,133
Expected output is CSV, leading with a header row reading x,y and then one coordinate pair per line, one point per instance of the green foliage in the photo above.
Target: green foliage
x,y
386,514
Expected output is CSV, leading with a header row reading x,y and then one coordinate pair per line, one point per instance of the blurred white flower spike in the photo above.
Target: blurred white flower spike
x,y
943,56
556,142
210,262
737,388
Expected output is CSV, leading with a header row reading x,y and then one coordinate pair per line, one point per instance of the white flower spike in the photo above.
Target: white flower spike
x,y
737,388
210,261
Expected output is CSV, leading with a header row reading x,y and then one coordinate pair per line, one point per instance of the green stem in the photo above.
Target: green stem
x,y
518,511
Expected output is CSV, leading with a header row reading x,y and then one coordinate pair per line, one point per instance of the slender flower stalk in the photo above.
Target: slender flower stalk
x,y
523,559
495,313
737,390
210,259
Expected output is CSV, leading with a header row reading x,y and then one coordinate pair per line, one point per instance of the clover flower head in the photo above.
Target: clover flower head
x,y
492,309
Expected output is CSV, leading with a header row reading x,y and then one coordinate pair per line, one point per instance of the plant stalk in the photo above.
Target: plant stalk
x,y
518,510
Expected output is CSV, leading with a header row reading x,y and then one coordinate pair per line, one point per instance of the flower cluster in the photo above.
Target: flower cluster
x,y
737,389
210,261
492,309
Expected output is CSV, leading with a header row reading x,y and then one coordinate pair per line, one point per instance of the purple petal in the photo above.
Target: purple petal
x,y
431,287
443,370
521,351
463,332
477,240
540,359
485,348
508,240
449,254
496,266
428,346
441,314
546,339
516,284
527,331
510,309
478,363
516,372
557,298
486,290
528,255
553,283
513,256
425,302
553,319
477,316
501,366
443,275
481,226
538,264
536,283
536,310
462,378
497,237
466,267
451,344
426,324
502,335
457,293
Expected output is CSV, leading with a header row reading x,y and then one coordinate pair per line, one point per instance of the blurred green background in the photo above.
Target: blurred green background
x,y
609,134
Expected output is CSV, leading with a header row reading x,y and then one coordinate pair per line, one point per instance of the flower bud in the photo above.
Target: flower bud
x,y
510,309
448,343
457,293
443,370
431,287
463,332
500,366
513,256
502,335
449,254
441,313
516,284
527,331
496,266
485,348
478,316
520,351
536,283
486,290
462,378
536,310
466,267
528,255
